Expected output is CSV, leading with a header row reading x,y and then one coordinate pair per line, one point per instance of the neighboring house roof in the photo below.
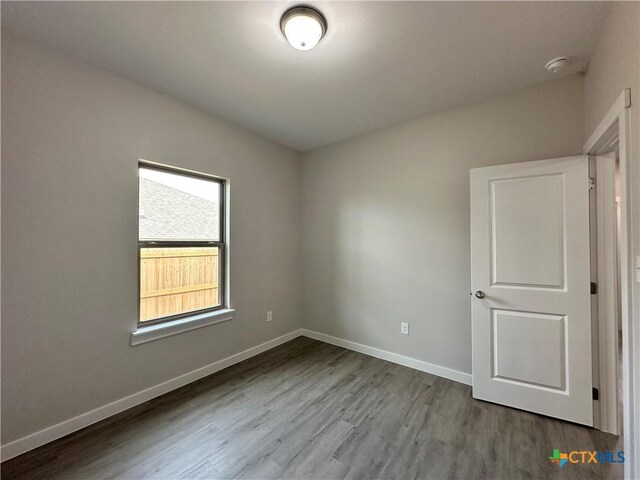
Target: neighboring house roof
x,y
170,214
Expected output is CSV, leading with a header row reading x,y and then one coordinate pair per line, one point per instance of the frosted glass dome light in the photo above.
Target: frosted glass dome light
x,y
303,27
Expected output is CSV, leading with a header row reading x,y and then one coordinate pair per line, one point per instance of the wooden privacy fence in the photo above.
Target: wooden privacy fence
x,y
177,280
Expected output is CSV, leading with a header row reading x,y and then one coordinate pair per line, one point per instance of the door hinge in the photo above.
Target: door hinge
x,y
595,393
592,183
594,288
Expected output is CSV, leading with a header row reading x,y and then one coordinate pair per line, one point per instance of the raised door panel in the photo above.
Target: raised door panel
x,y
527,229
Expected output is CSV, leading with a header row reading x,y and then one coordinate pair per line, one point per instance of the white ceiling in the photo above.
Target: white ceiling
x,y
380,63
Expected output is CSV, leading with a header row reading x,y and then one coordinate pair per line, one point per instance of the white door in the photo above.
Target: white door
x,y
530,274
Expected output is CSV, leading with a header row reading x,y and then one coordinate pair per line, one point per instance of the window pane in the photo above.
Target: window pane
x,y
178,280
178,207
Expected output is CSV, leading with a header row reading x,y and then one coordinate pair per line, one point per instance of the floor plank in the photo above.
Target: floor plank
x,y
308,410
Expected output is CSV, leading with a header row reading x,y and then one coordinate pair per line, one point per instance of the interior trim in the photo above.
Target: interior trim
x,y
600,134
432,368
618,117
157,331
37,439
49,434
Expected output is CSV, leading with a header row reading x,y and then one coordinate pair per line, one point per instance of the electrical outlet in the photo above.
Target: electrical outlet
x,y
269,316
404,328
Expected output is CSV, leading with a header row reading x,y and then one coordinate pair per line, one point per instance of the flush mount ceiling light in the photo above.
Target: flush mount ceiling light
x,y
303,27
556,64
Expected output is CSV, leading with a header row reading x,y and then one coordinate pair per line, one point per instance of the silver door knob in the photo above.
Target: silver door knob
x,y
479,294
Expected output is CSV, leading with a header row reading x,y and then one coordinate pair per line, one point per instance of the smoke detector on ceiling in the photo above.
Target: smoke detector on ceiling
x,y
556,64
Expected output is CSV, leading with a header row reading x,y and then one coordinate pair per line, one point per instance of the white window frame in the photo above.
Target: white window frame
x,y
150,330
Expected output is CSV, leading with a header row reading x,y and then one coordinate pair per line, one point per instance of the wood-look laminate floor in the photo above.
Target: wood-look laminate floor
x,y
307,409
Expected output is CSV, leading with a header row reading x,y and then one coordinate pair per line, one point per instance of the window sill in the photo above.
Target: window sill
x,y
150,333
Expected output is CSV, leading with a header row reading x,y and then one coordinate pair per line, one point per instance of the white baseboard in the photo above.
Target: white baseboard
x,y
24,444
421,365
37,439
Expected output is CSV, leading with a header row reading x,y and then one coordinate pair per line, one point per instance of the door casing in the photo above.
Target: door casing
x,y
616,122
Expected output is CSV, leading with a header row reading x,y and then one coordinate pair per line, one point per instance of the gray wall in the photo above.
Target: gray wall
x,y
614,66
386,218
72,135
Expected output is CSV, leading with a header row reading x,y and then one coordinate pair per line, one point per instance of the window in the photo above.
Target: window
x,y
181,243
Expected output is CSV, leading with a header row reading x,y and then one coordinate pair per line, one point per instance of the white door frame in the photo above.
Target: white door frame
x,y
616,121
606,375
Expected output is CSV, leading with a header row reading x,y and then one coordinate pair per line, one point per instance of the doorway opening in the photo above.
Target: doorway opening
x,y
609,144
606,278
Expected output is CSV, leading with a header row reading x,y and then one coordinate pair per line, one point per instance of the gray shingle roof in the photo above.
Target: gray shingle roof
x,y
170,214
